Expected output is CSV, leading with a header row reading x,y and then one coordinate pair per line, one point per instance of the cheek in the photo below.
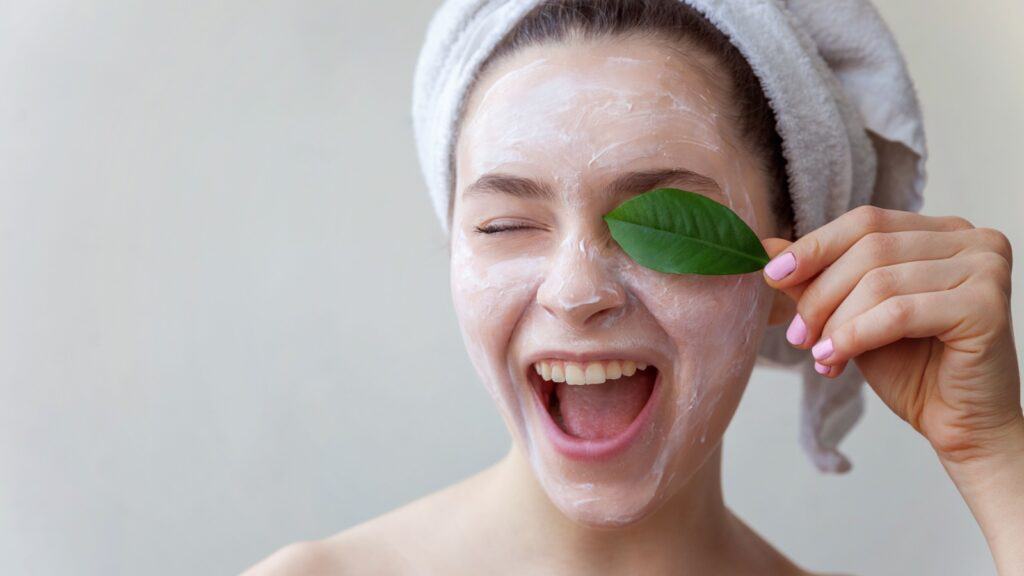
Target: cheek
x,y
490,296
713,323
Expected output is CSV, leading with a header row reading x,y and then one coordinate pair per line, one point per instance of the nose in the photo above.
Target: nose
x,y
579,288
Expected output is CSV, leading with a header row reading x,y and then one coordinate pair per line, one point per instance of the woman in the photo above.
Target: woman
x,y
616,381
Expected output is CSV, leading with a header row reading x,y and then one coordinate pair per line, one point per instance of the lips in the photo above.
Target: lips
x,y
593,409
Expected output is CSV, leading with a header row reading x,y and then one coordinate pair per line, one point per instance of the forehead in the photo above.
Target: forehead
x,y
592,104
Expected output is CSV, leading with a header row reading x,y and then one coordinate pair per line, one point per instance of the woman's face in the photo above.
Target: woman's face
x,y
553,138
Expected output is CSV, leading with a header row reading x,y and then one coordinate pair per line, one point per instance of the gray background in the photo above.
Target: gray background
x,y
224,311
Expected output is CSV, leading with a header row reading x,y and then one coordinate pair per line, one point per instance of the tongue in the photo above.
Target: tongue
x,y
595,411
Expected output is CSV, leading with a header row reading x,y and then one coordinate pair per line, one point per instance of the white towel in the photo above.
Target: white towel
x,y
845,107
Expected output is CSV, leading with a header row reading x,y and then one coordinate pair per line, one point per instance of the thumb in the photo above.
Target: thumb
x,y
775,246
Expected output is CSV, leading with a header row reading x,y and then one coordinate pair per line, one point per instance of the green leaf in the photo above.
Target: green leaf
x,y
680,232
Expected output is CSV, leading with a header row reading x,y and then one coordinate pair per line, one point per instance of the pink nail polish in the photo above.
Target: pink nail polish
x,y
822,369
797,331
822,349
781,266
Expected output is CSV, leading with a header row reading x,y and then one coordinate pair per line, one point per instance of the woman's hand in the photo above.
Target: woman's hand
x,y
922,306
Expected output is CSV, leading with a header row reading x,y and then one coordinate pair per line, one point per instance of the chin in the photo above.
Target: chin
x,y
604,506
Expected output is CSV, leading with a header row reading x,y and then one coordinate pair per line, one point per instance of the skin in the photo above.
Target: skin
x,y
922,306
558,284
919,303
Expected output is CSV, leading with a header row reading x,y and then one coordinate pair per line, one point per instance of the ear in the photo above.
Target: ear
x,y
783,309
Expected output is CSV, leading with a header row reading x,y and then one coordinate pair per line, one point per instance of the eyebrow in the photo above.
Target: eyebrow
x,y
628,184
513,185
638,182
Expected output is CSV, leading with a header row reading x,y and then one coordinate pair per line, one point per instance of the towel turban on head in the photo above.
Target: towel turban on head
x,y
845,109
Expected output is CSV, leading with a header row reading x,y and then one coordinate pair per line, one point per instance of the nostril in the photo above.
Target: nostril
x,y
605,316
580,285
579,308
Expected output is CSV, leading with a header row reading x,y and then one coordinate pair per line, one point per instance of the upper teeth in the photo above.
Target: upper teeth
x,y
576,373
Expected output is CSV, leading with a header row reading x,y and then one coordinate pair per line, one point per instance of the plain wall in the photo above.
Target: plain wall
x,y
224,313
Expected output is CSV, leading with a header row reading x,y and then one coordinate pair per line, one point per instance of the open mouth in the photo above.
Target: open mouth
x,y
596,401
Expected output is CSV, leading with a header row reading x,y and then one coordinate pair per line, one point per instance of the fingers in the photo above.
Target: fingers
x,y
858,273
958,313
875,276
830,371
896,318
809,255
880,284
869,265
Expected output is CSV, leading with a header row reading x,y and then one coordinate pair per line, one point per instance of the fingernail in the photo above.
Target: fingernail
x,y
822,349
797,331
781,266
822,369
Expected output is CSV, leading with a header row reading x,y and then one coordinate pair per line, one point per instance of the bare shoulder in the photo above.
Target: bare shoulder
x,y
410,539
313,558
802,572
769,560
340,555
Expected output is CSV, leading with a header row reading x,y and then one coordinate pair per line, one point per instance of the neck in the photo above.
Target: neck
x,y
690,533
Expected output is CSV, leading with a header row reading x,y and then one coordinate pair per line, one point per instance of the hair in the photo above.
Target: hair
x,y
555,21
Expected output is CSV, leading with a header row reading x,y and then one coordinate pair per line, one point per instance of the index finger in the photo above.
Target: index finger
x,y
813,252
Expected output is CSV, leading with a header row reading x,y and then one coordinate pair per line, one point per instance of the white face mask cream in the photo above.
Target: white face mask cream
x,y
616,381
